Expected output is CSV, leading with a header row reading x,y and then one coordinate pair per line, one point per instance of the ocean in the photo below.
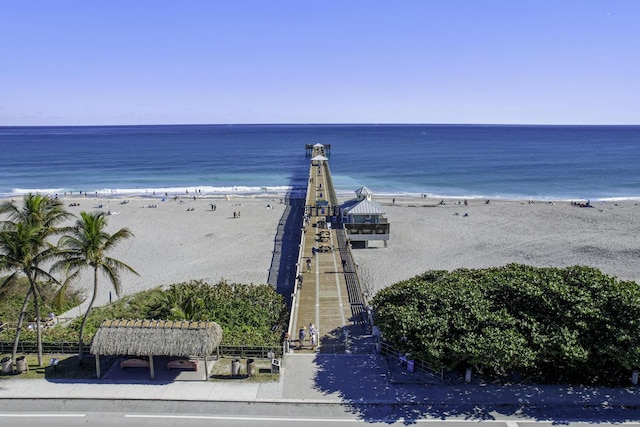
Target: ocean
x,y
444,161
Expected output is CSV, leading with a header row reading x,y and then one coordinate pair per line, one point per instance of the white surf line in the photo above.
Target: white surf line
x,y
335,268
40,415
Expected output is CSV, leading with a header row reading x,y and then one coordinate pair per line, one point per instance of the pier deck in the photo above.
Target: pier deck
x,y
330,295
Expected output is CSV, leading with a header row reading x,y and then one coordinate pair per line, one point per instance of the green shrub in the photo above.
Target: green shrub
x,y
572,325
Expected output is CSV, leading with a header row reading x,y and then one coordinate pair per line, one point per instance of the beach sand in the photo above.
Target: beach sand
x,y
173,243
180,241
428,236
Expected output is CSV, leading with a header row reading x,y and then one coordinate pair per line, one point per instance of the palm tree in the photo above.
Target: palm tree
x,y
24,246
86,245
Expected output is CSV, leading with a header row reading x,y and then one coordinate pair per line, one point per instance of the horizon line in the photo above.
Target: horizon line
x,y
327,124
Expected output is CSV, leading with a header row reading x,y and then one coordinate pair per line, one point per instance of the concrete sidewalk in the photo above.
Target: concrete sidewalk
x,y
350,380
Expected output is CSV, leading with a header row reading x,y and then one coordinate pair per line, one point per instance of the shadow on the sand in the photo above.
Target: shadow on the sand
x,y
282,274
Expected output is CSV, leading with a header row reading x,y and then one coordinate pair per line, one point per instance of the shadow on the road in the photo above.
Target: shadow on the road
x,y
364,383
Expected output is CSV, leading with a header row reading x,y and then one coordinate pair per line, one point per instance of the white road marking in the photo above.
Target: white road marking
x,y
41,415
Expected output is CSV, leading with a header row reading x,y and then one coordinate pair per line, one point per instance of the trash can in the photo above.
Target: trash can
x,y
7,365
21,364
467,376
251,367
275,366
235,367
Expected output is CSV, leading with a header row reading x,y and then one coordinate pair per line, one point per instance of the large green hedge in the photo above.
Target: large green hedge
x,y
571,325
253,315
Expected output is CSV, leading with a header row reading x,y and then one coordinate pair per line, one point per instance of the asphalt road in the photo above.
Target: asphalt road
x,y
72,413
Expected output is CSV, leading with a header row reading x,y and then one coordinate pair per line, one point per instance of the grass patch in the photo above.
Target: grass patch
x,y
67,367
222,371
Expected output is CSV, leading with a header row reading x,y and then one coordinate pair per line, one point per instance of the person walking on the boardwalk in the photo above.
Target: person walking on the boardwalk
x,y
308,265
302,335
313,337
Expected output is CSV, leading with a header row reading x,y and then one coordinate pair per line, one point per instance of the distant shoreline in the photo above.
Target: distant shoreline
x,y
204,192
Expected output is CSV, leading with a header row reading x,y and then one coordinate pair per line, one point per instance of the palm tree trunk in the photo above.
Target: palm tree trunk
x,y
86,314
36,300
23,311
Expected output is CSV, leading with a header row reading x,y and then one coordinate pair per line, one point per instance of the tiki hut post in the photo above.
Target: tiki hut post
x,y
98,373
206,369
153,371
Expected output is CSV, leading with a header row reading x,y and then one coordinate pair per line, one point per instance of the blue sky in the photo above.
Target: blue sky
x,y
363,61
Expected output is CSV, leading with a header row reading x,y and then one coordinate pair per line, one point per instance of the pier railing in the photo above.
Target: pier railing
x,y
365,228
294,294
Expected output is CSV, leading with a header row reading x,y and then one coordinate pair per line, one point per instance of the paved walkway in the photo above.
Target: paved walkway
x,y
362,383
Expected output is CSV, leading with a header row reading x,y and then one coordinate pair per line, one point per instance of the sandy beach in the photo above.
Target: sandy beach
x,y
180,240
426,235
185,239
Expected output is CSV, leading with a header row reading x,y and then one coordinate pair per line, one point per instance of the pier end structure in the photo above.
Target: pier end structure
x,y
312,149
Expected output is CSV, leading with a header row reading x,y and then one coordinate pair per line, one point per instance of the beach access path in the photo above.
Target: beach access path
x,y
323,295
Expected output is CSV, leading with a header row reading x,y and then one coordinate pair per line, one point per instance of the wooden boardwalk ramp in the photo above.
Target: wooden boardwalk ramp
x,y
330,296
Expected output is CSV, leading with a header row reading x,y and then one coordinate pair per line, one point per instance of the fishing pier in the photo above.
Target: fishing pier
x,y
328,291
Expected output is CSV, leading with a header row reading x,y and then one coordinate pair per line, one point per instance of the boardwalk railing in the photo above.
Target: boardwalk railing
x,y
418,365
252,352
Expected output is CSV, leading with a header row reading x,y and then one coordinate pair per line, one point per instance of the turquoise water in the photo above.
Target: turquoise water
x,y
516,162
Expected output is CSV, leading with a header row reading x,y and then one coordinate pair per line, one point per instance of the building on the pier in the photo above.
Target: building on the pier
x,y
312,149
363,219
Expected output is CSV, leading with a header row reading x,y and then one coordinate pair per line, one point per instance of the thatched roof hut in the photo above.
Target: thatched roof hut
x,y
157,337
